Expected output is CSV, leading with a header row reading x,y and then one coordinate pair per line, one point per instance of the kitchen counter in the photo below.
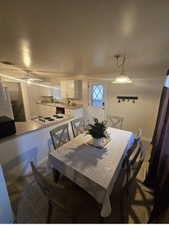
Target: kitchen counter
x,y
26,127
77,106
31,126
32,142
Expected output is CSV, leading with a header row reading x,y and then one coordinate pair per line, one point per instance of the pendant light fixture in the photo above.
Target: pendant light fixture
x,y
122,79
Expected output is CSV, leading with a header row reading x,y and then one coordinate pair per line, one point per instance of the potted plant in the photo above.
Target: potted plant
x,y
98,132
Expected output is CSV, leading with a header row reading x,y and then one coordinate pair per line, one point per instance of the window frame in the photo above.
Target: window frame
x,y
91,95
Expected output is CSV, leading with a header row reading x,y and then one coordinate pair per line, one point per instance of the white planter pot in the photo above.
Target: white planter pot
x,y
98,142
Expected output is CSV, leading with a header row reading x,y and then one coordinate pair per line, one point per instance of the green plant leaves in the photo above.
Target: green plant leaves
x,y
97,130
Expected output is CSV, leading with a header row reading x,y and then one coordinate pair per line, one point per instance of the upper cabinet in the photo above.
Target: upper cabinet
x,y
71,89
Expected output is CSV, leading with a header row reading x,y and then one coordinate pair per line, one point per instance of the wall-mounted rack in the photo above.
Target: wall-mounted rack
x,y
127,98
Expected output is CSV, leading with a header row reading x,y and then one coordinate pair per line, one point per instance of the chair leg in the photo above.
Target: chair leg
x,y
124,205
56,175
101,219
49,211
74,220
122,208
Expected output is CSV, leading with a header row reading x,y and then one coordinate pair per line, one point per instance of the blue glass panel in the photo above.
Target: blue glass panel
x,y
97,95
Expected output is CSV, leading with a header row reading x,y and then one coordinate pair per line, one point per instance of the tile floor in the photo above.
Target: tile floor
x,y
30,206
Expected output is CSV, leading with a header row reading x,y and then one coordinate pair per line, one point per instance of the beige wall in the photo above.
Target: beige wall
x,y
35,92
143,113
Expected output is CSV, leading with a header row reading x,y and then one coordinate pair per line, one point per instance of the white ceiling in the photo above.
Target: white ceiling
x,y
78,38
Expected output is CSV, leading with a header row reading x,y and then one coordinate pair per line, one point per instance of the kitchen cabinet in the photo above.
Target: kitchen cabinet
x,y
75,113
71,89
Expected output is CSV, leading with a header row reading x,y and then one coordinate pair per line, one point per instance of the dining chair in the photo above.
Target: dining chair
x,y
137,140
127,176
162,218
60,135
138,134
69,199
78,126
115,122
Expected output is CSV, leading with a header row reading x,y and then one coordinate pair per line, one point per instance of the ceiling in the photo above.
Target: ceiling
x,y
78,38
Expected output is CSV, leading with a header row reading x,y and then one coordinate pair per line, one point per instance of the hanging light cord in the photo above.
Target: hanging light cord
x,y
121,65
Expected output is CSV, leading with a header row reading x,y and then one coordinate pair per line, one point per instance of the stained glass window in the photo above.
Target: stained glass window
x,y
97,95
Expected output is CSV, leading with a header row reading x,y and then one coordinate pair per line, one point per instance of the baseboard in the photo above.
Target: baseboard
x,y
146,139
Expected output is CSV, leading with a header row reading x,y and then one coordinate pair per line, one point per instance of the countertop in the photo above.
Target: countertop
x,y
31,126
77,106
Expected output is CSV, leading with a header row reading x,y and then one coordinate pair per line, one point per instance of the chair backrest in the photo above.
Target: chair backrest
x,y
78,126
133,148
130,167
49,188
116,121
135,145
134,162
41,181
139,134
60,135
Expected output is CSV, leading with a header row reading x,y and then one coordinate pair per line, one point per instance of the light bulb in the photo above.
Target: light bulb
x,y
122,80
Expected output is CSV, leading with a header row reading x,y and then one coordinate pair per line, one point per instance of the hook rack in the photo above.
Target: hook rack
x,y
128,98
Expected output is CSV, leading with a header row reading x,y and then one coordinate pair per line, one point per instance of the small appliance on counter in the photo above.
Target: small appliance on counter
x,y
7,126
60,110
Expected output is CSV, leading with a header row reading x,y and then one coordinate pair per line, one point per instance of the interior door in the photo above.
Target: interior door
x,y
96,106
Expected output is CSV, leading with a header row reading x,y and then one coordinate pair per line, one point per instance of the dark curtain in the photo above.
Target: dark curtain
x,y
158,174
163,114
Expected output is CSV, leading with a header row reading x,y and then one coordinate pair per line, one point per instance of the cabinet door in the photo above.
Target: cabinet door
x,y
71,89
67,89
63,89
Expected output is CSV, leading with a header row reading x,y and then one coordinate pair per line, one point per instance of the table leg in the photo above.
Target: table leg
x,y
101,219
56,175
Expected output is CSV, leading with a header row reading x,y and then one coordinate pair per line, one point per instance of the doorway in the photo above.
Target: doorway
x,y
96,101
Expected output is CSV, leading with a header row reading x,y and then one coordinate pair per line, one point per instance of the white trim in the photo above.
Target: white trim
x,y
166,83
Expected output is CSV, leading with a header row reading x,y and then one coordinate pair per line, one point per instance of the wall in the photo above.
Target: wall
x,y
33,146
30,94
16,98
34,94
143,113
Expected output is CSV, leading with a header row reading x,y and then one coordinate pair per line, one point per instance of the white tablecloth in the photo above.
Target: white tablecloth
x,y
93,169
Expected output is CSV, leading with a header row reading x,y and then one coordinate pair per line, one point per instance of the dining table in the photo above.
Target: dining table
x,y
94,169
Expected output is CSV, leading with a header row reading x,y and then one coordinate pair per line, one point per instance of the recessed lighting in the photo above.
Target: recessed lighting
x,y
28,82
122,80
